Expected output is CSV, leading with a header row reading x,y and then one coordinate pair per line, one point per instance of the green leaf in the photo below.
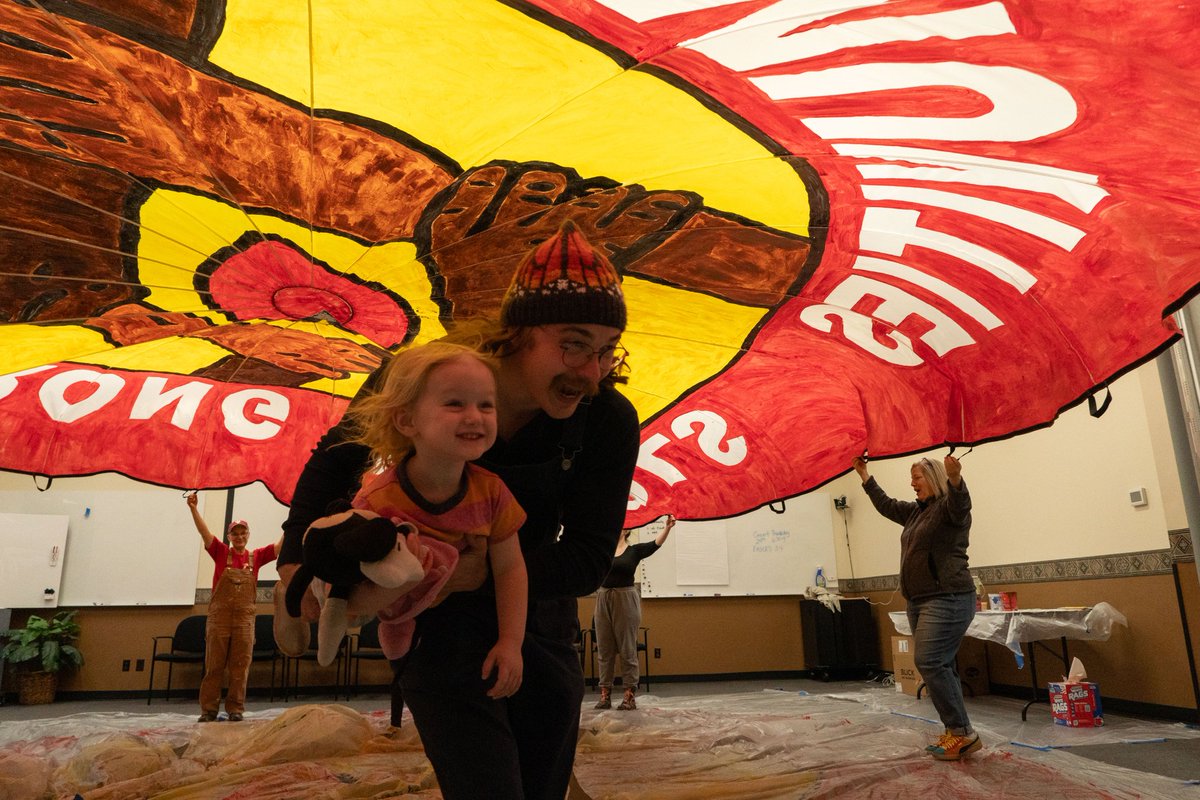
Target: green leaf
x,y
50,642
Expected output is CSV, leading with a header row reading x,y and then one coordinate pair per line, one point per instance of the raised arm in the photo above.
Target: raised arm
x,y
895,510
201,525
953,471
959,507
860,466
666,531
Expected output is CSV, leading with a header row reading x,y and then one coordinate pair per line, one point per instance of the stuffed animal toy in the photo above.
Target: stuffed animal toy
x,y
344,549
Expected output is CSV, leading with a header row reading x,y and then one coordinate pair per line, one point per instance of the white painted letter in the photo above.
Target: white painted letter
x,y
642,10
1080,189
273,405
663,470
8,383
186,398
765,38
1039,225
710,440
889,230
1025,105
956,297
638,497
896,306
54,390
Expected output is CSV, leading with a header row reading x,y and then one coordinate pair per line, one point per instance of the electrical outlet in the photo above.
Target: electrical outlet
x,y
125,665
658,652
141,665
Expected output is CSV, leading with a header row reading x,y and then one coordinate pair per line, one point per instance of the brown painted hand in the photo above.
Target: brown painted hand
x,y
481,227
79,92
296,351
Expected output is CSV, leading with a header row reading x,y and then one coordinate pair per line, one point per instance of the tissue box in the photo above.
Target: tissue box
x,y
1076,704
1002,601
904,668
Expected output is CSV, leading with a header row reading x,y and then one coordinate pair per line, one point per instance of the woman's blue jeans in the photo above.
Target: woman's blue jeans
x,y
938,625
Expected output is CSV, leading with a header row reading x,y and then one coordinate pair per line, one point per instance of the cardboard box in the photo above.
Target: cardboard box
x,y
973,667
1076,704
904,668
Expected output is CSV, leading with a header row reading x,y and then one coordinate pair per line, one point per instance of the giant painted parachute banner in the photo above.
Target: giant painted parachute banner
x,y
843,227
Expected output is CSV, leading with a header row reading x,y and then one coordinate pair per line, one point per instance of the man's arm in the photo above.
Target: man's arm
x,y
201,525
593,511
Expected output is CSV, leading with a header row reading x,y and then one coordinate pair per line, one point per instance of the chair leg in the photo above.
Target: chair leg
x,y
170,669
646,644
150,690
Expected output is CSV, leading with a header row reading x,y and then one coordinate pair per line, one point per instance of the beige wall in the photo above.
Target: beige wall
x,y
111,635
1060,492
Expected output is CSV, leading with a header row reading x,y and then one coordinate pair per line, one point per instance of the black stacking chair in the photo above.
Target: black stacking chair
x,y
186,647
264,646
291,667
364,646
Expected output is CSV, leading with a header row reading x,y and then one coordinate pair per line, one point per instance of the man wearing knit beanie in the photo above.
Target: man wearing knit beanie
x,y
565,280
567,446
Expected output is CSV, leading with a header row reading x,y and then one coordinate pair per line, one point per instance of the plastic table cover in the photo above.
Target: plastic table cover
x,y
1011,628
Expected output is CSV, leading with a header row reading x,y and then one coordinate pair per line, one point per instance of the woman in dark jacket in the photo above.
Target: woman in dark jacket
x,y
939,588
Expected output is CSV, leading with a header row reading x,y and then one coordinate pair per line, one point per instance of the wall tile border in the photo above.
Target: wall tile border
x,y
1146,562
1121,565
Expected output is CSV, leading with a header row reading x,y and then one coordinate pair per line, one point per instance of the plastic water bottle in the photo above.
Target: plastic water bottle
x,y
820,579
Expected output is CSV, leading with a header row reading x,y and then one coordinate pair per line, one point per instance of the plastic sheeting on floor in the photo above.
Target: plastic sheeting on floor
x,y
866,743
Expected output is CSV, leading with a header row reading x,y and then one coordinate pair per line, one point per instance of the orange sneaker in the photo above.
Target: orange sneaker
x,y
952,747
942,741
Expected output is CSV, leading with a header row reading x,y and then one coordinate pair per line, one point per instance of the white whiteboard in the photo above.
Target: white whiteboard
x,y
33,548
127,543
759,553
265,514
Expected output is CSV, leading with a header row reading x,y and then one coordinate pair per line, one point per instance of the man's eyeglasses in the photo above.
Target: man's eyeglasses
x,y
578,354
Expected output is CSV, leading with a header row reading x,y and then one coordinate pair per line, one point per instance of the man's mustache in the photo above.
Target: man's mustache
x,y
576,384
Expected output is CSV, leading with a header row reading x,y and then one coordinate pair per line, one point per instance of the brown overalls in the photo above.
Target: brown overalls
x,y
230,633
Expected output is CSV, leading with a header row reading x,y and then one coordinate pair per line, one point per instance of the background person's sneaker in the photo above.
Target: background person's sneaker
x,y
952,748
942,740
207,716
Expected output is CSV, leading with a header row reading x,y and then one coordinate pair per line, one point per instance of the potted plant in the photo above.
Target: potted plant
x,y
44,646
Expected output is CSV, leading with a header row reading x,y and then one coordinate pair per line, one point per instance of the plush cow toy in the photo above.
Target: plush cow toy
x,y
344,549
